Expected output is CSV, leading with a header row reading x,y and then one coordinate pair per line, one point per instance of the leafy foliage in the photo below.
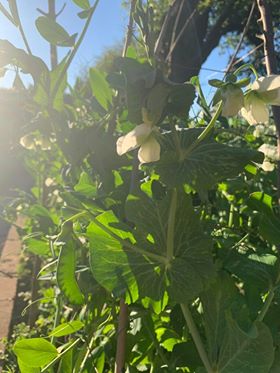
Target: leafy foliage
x,y
189,242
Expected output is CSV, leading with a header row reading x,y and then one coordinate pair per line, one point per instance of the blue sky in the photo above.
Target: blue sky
x,y
107,30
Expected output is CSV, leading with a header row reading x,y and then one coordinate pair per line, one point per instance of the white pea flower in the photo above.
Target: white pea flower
x,y
264,91
142,137
271,155
233,100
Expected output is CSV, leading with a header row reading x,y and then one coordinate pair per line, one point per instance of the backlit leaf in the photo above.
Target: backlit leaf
x,y
35,352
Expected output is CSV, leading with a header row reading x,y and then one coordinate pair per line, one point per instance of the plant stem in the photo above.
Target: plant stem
x,y
73,53
57,315
266,306
121,337
128,37
196,337
21,30
206,130
53,48
47,367
237,49
171,226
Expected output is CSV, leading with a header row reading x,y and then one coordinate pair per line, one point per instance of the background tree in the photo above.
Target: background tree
x,y
189,30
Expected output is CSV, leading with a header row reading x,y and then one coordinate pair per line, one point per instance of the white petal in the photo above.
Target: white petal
x,y
270,151
149,151
267,166
255,110
268,83
232,101
133,139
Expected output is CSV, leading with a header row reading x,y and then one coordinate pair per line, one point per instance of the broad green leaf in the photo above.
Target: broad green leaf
x,y
261,202
67,328
234,343
84,4
269,224
100,88
47,93
108,260
259,270
37,247
139,80
54,33
29,64
204,165
180,99
117,266
35,352
85,186
168,99
26,369
244,353
66,271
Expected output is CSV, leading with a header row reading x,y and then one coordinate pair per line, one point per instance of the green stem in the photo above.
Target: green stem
x,y
231,215
196,337
73,53
47,367
206,131
268,300
171,226
245,67
266,306
57,315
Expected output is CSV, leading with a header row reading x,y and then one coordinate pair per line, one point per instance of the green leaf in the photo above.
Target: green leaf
x,y
37,247
84,4
85,186
109,263
243,82
231,349
192,265
180,99
47,84
54,33
216,83
29,64
261,202
26,369
100,88
35,352
259,270
119,266
140,78
67,328
269,224
14,11
66,271
204,165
